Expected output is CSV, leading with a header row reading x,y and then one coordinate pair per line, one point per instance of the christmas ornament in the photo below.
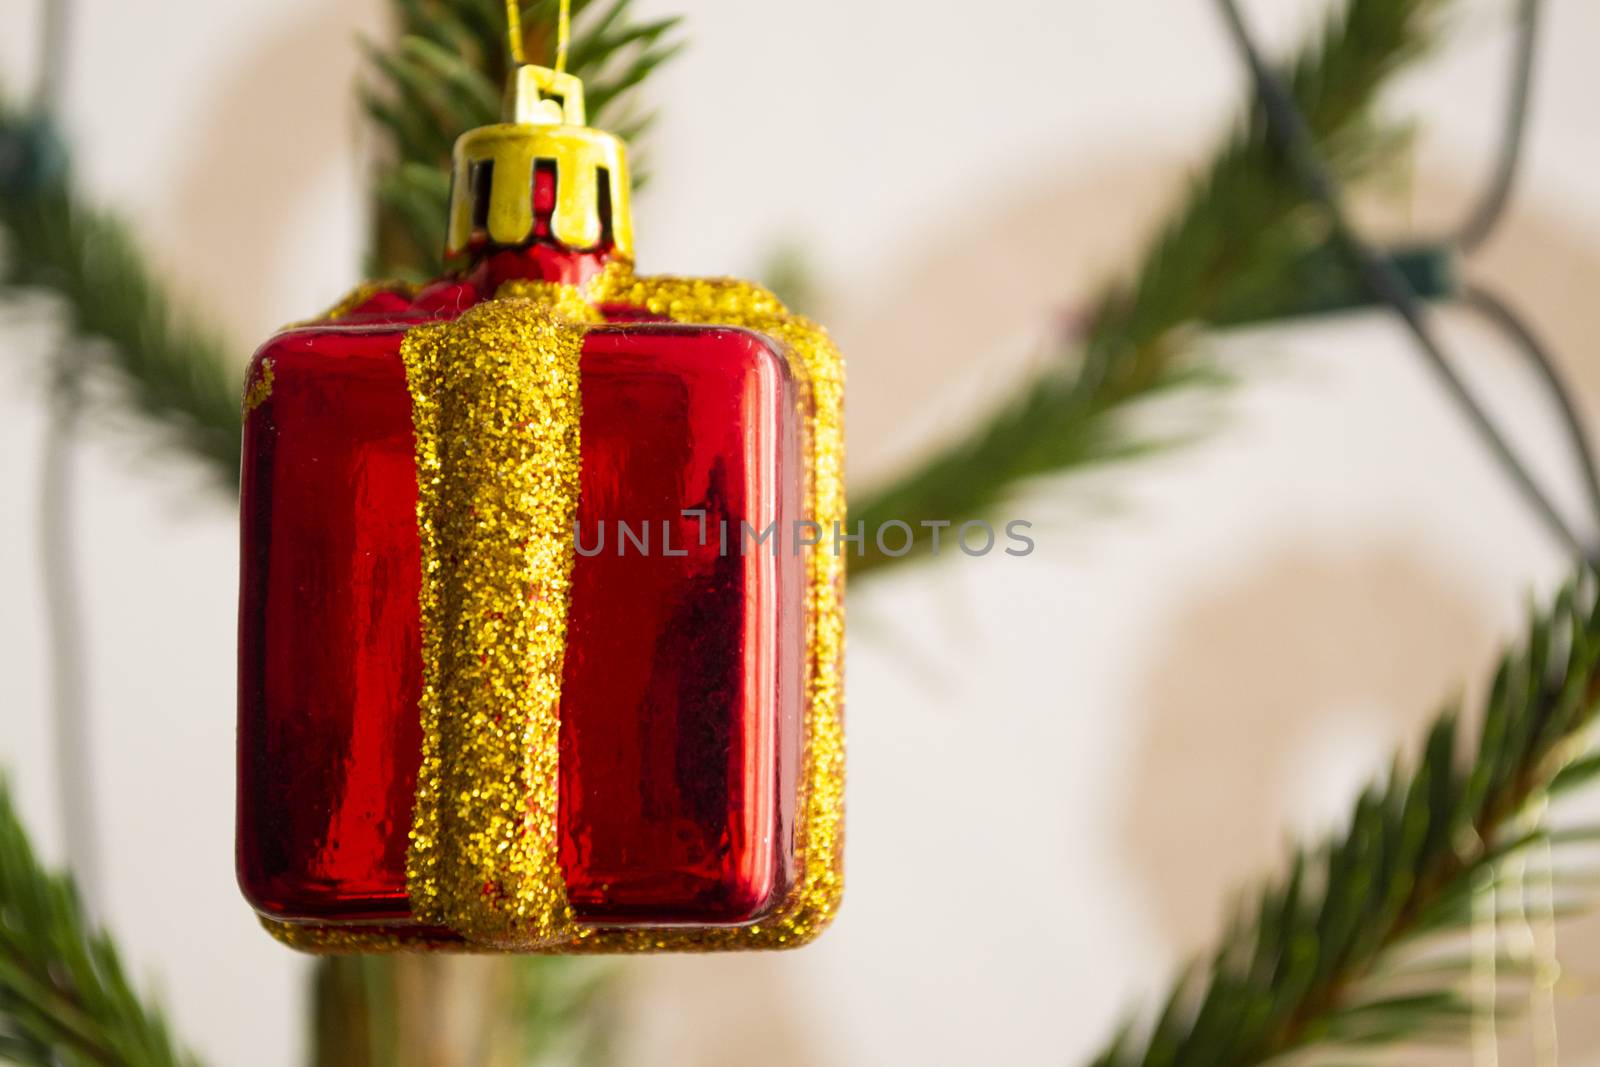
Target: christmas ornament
x,y
539,650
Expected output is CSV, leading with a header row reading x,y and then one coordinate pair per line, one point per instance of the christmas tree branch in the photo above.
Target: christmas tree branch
x,y
444,77
171,369
1345,948
440,78
1236,249
444,1011
64,999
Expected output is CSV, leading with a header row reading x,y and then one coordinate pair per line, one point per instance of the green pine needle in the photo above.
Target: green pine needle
x,y
1231,246
1303,969
400,1010
1341,950
446,75
173,370
64,999
441,77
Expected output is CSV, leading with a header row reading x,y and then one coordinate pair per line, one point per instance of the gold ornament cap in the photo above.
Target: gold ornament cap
x,y
492,178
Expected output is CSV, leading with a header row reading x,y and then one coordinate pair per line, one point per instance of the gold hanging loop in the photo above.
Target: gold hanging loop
x,y
514,30
545,124
563,33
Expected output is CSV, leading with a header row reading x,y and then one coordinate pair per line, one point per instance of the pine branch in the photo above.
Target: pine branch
x,y
354,1012
1236,246
1235,249
441,78
170,369
64,999
445,74
442,1011
565,1008
1321,960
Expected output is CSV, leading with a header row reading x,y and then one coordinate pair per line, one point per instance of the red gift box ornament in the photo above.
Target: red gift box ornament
x,y
536,653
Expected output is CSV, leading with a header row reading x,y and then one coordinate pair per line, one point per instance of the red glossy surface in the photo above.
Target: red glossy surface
x,y
679,706
681,694
328,638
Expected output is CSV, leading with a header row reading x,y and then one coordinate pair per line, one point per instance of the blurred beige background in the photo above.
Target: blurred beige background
x,y
1061,765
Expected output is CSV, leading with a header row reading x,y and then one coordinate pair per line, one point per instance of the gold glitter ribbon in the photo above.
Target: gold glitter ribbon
x,y
495,405
260,388
483,858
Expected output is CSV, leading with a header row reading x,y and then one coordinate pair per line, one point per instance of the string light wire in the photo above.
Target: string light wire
x,y
1499,313
1483,218
1288,128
